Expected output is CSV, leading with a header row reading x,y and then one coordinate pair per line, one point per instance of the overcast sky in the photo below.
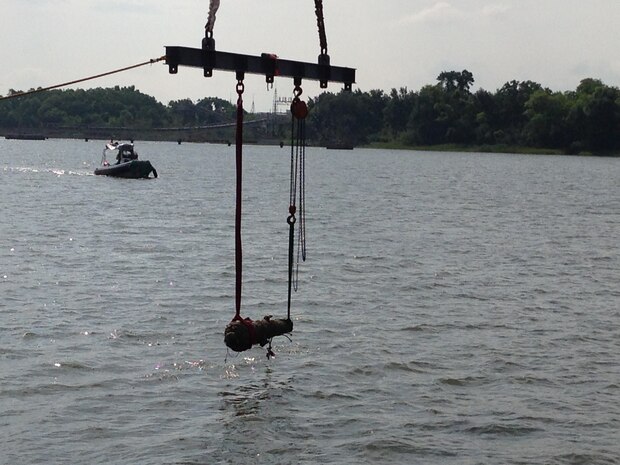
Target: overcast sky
x,y
391,43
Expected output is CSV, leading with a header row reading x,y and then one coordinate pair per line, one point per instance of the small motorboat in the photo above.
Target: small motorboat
x,y
127,164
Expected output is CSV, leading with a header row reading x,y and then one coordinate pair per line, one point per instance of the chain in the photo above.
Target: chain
x,y
299,111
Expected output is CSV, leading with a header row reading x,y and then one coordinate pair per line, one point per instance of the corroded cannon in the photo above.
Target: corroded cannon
x,y
242,333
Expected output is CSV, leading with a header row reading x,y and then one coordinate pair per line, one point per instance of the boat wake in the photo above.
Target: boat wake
x,y
54,171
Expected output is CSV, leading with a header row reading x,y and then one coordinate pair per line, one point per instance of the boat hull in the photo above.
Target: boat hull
x,y
135,169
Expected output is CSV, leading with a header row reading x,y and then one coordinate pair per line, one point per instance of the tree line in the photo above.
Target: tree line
x,y
519,114
117,107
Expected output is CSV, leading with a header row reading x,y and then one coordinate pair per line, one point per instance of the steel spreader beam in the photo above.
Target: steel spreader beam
x,y
267,65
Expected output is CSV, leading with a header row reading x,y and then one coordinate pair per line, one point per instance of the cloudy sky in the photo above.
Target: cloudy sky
x,y
391,43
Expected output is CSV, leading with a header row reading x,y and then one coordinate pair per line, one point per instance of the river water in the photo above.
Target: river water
x,y
454,309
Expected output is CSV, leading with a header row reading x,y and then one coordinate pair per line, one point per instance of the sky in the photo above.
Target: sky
x,y
391,43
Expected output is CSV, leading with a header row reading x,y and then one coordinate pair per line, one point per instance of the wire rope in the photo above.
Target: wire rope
x,y
89,78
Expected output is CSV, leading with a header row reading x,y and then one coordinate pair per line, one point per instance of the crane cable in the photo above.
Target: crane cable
x,y
64,84
320,21
213,7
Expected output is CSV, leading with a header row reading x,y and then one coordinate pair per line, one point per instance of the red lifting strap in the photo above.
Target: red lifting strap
x,y
249,324
239,159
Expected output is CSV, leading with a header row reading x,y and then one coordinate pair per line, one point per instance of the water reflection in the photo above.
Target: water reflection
x,y
248,399
255,417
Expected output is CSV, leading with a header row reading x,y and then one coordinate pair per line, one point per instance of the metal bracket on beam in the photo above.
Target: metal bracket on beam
x,y
267,65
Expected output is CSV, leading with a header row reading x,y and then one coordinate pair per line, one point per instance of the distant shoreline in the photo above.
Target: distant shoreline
x,y
499,148
393,145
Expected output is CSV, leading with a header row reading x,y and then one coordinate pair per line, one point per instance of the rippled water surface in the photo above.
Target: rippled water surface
x,y
454,309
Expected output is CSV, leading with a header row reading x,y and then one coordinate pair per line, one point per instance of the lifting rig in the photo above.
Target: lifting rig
x,y
267,65
242,333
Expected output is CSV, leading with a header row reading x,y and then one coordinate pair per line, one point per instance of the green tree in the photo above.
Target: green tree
x,y
547,114
454,81
397,110
427,122
485,107
510,117
183,112
595,116
456,106
347,118
213,110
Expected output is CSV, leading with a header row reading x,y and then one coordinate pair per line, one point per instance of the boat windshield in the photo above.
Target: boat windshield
x,y
124,151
